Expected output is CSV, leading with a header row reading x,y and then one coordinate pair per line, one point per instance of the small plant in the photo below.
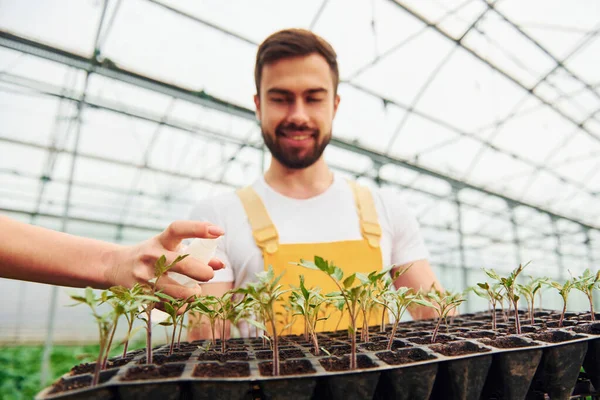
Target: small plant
x,y
207,306
443,303
586,283
265,293
150,299
397,302
510,284
375,283
228,311
176,308
387,284
129,298
349,293
564,291
106,323
307,303
528,291
493,294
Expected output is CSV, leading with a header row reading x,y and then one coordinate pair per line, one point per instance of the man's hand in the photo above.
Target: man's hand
x,y
135,264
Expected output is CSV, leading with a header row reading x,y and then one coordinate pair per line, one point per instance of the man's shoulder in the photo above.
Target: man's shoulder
x,y
391,203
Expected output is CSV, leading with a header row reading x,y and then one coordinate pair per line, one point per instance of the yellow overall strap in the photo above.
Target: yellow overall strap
x,y
263,230
367,214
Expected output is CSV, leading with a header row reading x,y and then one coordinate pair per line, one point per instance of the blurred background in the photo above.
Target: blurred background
x,y
117,116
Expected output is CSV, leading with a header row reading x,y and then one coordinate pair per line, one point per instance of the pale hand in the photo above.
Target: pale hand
x,y
135,264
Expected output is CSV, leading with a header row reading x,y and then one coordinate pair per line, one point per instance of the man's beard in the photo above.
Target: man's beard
x,y
291,159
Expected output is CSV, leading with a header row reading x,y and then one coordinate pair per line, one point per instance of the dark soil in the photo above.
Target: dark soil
x,y
382,345
306,344
458,349
336,350
88,368
160,359
153,372
554,337
590,329
508,342
228,356
283,354
79,382
343,363
418,334
427,339
292,367
405,356
185,348
228,370
378,338
472,324
459,330
554,324
524,329
478,334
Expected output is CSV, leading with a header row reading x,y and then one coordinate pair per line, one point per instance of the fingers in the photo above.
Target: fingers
x,y
194,268
174,289
179,230
216,264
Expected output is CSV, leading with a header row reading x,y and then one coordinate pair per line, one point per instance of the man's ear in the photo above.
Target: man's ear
x,y
336,103
257,105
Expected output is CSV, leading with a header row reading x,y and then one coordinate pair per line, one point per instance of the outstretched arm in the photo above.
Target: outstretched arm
x,y
419,276
36,254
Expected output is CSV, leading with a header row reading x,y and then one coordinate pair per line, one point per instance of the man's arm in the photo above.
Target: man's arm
x,y
198,325
419,276
36,254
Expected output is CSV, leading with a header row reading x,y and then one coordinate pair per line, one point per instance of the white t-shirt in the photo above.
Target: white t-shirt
x,y
329,217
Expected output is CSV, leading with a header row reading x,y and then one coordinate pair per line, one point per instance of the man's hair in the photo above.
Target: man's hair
x,y
290,43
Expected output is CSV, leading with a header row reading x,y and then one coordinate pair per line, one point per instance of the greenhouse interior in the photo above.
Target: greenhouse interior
x,y
117,117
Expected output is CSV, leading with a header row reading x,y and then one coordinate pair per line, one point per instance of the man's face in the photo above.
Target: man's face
x,y
296,106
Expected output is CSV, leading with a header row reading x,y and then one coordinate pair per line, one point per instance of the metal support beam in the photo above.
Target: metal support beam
x,y
496,68
461,244
589,250
109,69
591,263
515,232
558,250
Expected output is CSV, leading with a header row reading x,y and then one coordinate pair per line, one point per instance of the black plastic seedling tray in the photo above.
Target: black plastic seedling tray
x,y
473,363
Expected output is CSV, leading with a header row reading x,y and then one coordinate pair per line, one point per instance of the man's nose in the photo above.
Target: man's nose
x,y
298,113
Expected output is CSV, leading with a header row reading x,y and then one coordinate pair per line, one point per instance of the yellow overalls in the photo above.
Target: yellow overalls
x,y
351,255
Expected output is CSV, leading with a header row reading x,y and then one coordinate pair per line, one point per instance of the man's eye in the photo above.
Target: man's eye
x,y
314,100
279,99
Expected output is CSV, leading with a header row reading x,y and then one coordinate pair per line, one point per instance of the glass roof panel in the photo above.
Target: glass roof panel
x,y
71,25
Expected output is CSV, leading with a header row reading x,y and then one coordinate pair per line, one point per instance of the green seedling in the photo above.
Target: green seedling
x,y
105,322
150,299
493,294
528,291
207,306
265,293
563,291
397,302
387,283
510,285
129,299
123,302
176,308
228,311
367,302
307,303
586,283
442,302
349,293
